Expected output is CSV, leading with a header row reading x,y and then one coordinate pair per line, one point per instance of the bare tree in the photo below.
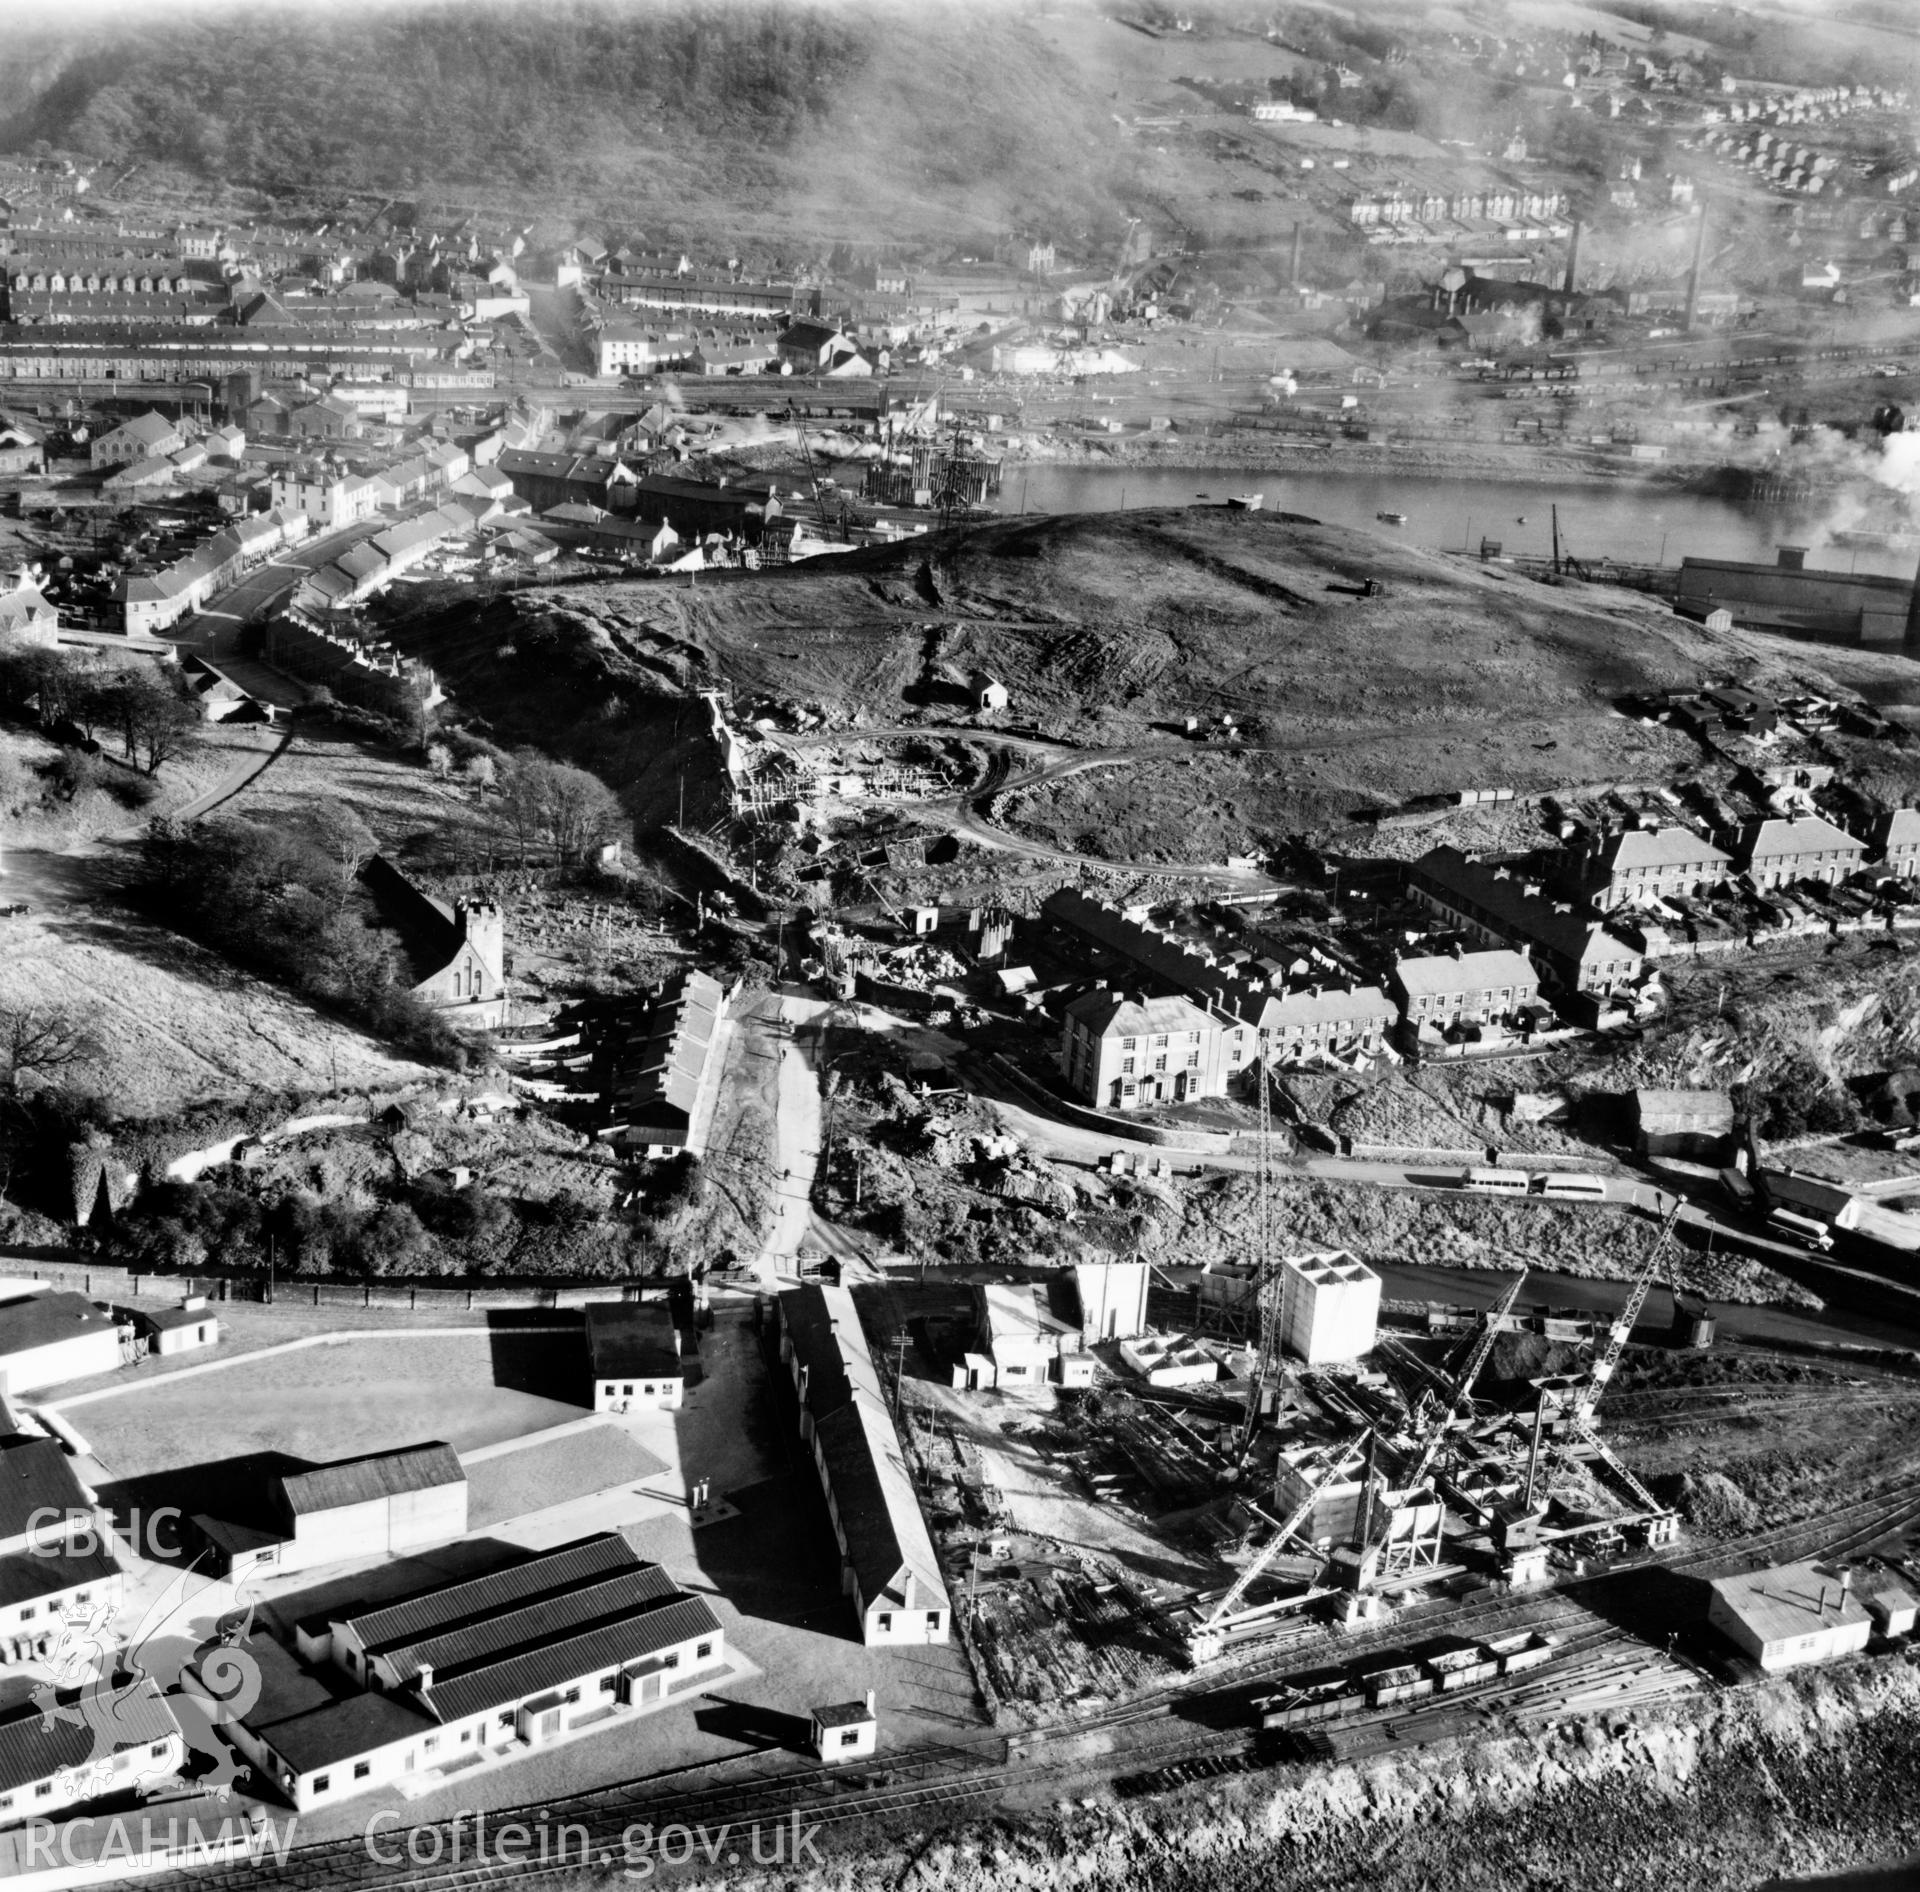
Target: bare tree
x,y
41,1042
347,842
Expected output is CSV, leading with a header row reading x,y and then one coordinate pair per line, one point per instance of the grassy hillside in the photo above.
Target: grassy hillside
x,y
1108,628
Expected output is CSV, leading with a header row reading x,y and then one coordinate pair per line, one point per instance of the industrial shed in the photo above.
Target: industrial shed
x,y
482,1668
47,1337
387,1504
1790,1615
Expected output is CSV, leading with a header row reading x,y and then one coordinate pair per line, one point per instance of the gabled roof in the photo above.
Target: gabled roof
x,y
149,429
487,1685
1464,972
1803,834
629,1339
1659,847
1116,1015
42,1320
525,1626
448,1605
34,1747
378,1475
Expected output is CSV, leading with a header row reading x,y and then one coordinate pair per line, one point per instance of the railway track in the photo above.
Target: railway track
x,y
1597,1664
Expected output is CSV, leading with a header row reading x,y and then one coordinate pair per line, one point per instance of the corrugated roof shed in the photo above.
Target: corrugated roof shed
x,y
487,1685
35,1746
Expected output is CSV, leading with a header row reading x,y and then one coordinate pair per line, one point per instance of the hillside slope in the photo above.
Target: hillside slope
x,y
1108,629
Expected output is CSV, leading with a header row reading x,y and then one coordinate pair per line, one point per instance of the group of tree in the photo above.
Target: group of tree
x,y
423,1231
553,810
281,899
135,706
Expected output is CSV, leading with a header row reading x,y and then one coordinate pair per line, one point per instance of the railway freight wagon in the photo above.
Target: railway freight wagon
x,y
1387,1682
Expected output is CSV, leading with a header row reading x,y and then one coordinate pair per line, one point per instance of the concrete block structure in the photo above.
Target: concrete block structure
x,y
1790,1615
478,1669
1113,1299
387,1504
1329,1307
844,1731
1021,1333
637,1354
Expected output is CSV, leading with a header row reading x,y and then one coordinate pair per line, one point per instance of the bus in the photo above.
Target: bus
x,y
1496,1182
1564,1186
1800,1228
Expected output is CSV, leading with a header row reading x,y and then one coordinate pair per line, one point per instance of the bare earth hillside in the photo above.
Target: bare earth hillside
x,y
1109,629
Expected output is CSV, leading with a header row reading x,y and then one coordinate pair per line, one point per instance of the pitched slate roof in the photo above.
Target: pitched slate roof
x,y
1659,847
27,1575
1116,1015
1429,973
378,1475
1803,834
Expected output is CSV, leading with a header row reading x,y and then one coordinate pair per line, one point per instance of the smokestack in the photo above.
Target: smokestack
x,y
1293,268
1573,259
1693,274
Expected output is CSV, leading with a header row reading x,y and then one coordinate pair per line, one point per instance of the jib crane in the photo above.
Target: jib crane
x,y
1207,1638
1432,1421
1607,1362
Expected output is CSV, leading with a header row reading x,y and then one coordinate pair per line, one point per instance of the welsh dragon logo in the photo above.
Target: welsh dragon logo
x,y
95,1688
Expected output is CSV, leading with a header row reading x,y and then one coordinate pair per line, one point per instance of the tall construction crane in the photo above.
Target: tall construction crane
x,y
1207,1638
1608,1360
1266,1275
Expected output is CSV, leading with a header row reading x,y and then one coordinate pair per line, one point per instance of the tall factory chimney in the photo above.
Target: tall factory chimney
x,y
1293,268
1699,255
1573,260
1913,616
